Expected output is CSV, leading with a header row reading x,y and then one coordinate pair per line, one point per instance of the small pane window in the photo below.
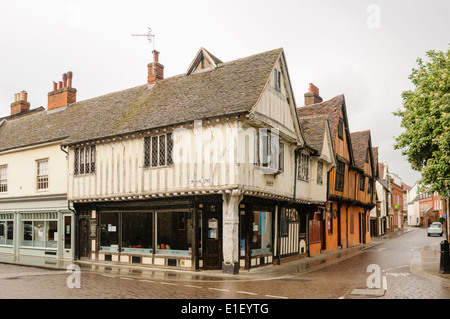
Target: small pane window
x,y
42,174
158,150
362,180
154,151
340,173
3,179
320,173
84,160
303,167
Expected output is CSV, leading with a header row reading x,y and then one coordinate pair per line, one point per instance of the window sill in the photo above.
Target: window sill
x,y
157,167
83,175
269,171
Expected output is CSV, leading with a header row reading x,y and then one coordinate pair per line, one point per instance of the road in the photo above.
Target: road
x,y
401,262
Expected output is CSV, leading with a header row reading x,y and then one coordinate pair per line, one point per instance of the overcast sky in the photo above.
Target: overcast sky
x,y
363,49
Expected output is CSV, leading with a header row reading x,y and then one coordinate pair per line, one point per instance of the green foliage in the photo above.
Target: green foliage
x,y
426,120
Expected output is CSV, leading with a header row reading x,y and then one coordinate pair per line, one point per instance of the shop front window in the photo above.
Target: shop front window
x,y
109,228
137,232
40,233
6,232
174,233
261,233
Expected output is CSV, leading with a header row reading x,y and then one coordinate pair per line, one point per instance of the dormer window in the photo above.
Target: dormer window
x,y
203,61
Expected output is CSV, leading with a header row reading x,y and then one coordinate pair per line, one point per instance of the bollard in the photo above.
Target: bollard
x,y
444,267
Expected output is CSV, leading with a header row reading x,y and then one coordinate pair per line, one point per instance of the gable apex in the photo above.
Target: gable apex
x,y
203,61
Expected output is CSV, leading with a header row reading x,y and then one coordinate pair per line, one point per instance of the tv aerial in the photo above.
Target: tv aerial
x,y
149,35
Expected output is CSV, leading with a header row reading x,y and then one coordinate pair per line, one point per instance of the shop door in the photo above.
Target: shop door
x,y
67,237
213,238
83,237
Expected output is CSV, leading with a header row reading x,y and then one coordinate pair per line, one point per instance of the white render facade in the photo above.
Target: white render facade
x,y
35,218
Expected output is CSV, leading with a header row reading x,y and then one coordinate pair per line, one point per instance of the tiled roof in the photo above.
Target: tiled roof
x,y
332,109
375,160
232,88
360,144
313,129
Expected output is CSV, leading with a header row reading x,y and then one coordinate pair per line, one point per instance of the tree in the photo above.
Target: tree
x,y
426,120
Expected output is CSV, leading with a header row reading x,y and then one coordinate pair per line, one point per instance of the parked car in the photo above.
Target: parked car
x,y
435,228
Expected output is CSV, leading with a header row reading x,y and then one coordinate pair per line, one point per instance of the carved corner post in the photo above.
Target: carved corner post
x,y
231,200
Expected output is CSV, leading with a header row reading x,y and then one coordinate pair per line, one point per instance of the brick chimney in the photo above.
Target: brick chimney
x,y
20,103
312,96
63,93
155,70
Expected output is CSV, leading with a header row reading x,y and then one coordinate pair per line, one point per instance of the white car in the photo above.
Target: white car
x,y
435,228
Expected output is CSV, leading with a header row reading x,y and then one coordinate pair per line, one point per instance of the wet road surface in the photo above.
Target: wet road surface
x,y
405,264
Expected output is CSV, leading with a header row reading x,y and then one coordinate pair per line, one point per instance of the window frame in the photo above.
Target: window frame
x,y
362,182
264,156
320,172
153,155
303,167
3,179
84,160
277,80
341,128
42,178
340,176
370,186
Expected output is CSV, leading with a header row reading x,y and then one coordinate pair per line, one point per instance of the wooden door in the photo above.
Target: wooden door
x,y
213,238
83,237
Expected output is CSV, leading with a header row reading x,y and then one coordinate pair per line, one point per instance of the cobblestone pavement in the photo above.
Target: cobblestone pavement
x,y
406,263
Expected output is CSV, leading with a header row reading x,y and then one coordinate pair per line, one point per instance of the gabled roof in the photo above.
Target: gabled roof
x,y
231,88
360,144
362,147
375,160
313,129
332,109
201,57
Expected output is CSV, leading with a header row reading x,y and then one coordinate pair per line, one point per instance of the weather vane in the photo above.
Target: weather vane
x,y
150,37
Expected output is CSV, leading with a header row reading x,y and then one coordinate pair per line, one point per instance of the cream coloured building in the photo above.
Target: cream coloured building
x,y
35,218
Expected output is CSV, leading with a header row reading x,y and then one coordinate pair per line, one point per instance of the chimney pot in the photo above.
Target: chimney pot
x,y
155,56
20,103
314,89
63,94
155,70
24,96
70,76
312,96
64,80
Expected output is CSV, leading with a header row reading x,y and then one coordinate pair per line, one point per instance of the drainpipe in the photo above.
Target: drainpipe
x,y
279,236
296,152
67,154
75,219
